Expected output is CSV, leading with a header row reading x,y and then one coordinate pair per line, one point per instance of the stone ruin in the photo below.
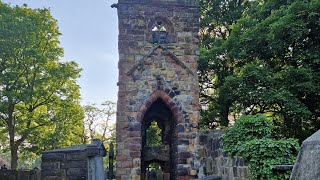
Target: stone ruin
x,y
158,84
158,61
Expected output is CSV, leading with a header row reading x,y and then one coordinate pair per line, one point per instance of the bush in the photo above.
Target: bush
x,y
250,137
245,129
263,154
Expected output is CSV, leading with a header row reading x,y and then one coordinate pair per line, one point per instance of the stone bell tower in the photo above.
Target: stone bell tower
x,y
158,85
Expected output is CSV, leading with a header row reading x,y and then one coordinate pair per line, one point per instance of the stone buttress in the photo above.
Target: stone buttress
x,y
158,61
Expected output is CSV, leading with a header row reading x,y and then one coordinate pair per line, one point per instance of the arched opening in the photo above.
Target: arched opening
x,y
158,141
154,171
161,30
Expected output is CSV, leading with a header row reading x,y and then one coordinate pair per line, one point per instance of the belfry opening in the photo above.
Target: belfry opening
x,y
158,140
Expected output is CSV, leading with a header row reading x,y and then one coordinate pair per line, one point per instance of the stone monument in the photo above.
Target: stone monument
x,y
307,166
158,83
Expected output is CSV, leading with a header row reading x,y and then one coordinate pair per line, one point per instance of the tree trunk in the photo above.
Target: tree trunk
x,y
14,157
224,113
13,145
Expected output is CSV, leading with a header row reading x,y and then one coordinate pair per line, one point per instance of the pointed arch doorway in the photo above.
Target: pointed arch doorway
x,y
158,123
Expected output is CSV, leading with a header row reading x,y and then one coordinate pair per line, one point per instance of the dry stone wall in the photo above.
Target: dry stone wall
x,y
217,162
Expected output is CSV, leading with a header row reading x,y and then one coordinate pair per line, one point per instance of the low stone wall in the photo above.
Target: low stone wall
x,y
6,174
217,162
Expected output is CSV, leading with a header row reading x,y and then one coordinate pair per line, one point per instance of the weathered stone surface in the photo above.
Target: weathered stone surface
x,y
307,166
282,167
212,178
157,82
6,174
217,163
74,163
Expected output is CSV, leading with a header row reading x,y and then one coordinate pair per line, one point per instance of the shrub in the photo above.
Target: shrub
x,y
245,129
263,154
250,137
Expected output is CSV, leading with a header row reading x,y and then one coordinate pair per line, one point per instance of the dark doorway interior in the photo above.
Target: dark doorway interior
x,y
158,141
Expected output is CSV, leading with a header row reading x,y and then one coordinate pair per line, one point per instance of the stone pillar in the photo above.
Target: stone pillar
x,y
95,154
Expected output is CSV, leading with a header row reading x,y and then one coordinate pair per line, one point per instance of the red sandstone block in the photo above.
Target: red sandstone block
x,y
121,157
135,147
166,98
126,164
139,117
183,178
148,103
121,171
135,154
171,104
143,109
134,134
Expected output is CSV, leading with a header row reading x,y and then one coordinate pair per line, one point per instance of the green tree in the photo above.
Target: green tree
x,y
217,19
38,93
153,135
272,49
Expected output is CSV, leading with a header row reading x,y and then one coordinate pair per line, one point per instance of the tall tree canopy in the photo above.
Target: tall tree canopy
x,y
39,97
268,62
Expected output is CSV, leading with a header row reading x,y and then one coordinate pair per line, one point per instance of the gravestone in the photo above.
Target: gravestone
x,y
307,166
158,82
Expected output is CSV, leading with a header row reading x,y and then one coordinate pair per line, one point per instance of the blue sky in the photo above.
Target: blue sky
x,y
90,37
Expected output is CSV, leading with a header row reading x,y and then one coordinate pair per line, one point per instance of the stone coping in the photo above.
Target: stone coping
x,y
285,167
95,148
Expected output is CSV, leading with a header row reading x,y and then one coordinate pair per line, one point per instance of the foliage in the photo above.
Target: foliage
x,y
263,154
217,18
250,137
153,135
39,97
96,122
268,63
245,129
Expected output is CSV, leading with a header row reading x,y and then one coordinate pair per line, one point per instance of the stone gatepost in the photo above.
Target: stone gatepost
x,y
158,84
74,163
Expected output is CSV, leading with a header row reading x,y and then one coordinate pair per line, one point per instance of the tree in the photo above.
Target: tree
x,y
273,51
96,122
217,19
38,93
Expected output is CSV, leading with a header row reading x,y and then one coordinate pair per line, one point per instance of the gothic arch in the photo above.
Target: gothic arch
x,y
159,94
165,21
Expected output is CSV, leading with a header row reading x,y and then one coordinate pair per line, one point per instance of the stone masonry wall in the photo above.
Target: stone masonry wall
x,y
217,162
148,72
82,162
64,165
7,174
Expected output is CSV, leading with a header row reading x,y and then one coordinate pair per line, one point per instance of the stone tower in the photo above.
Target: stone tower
x,y
158,84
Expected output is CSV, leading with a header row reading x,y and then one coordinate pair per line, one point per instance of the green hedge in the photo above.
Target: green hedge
x,y
250,137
